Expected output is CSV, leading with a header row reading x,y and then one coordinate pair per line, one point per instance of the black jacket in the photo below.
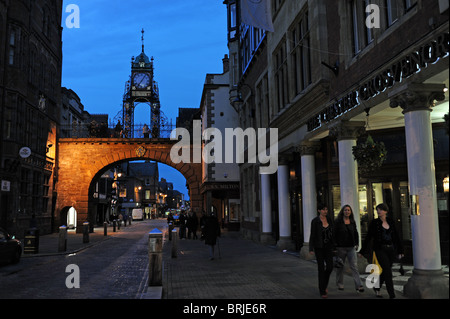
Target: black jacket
x,y
374,240
316,238
341,231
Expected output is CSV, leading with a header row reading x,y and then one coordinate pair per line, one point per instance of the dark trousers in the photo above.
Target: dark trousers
x,y
386,257
324,258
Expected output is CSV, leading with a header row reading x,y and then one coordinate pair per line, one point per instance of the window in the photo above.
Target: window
x,y
232,21
12,46
301,54
393,11
250,40
281,76
147,194
361,34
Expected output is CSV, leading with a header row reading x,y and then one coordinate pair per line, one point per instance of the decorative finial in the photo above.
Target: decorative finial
x,y
142,38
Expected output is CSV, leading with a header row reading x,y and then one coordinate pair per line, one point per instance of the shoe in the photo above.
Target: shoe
x,y
340,288
360,289
378,294
324,296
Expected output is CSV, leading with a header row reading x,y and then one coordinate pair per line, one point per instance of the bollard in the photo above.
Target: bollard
x,y
105,228
155,241
114,225
174,243
85,232
170,231
62,239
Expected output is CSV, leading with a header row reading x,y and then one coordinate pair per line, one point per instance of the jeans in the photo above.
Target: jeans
x,y
350,253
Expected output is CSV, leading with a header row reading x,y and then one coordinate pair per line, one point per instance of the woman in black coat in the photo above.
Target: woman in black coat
x,y
211,232
321,244
384,240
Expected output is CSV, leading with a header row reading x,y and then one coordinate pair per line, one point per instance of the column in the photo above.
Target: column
x,y
284,207
346,133
417,101
307,151
266,210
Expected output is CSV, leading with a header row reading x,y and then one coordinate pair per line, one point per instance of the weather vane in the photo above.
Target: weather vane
x,y
142,38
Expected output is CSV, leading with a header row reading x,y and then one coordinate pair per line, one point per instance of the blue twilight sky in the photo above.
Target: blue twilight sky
x,y
187,38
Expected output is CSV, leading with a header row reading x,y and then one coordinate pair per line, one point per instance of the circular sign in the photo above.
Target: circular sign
x,y
25,152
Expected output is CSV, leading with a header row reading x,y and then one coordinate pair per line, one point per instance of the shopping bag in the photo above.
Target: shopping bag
x,y
375,262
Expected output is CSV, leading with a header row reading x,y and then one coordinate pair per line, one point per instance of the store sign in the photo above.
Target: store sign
x,y
403,68
6,186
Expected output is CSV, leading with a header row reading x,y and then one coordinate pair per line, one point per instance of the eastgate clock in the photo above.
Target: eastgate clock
x,y
141,80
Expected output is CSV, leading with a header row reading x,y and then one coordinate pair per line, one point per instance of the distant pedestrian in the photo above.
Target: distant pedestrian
x,y
347,242
183,221
383,240
212,231
321,244
145,131
192,225
202,225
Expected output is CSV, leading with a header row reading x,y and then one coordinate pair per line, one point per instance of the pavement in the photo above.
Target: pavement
x,y
241,269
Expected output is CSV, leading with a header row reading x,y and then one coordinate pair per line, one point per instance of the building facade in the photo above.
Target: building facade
x,y
220,178
327,79
30,98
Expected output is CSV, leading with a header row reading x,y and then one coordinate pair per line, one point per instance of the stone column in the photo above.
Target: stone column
x,y
417,101
266,210
284,207
307,151
346,133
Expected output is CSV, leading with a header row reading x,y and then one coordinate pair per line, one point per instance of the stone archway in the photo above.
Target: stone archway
x,y
80,160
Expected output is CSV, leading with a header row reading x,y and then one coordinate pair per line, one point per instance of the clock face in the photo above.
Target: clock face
x,y
141,80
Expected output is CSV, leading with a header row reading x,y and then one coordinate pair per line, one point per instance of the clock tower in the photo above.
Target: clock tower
x,y
141,88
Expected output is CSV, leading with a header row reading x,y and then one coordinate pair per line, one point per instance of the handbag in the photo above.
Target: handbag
x,y
338,262
375,262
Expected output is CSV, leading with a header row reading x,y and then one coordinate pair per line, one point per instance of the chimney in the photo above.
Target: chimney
x,y
226,64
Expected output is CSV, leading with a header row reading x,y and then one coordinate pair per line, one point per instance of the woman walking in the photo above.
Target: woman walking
x,y
383,239
347,242
321,244
211,231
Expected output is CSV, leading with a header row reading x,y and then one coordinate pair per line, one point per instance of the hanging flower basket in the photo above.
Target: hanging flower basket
x,y
370,155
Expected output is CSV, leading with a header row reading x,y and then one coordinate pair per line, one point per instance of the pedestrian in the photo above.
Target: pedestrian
x,y
212,231
183,221
383,239
170,219
118,129
145,131
321,244
202,225
192,224
347,243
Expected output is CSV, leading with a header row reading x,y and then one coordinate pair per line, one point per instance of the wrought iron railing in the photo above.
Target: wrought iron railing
x,y
102,130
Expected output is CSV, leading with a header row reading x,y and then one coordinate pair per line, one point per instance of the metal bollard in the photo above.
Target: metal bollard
x,y
174,243
114,225
105,228
85,232
170,230
62,239
155,240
